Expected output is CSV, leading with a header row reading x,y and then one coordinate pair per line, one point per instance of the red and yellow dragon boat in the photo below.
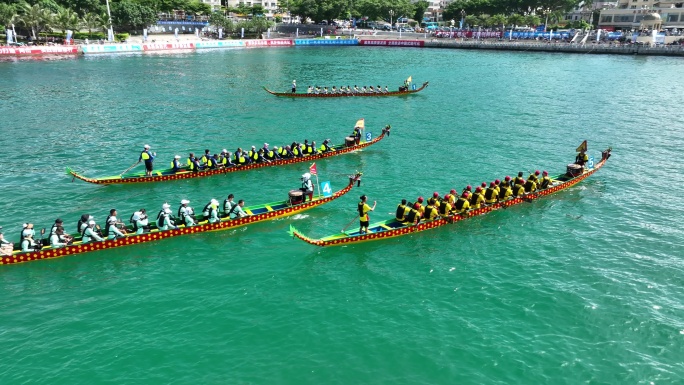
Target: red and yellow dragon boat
x,y
167,175
344,95
393,228
257,213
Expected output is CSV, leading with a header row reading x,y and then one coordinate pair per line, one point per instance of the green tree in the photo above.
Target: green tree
x,y
35,18
419,10
516,20
103,22
128,15
257,10
532,20
472,20
82,6
90,21
320,10
8,15
197,8
66,19
498,20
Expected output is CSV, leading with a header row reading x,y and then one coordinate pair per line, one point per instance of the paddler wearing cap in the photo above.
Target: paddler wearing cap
x,y
211,212
224,160
582,157
545,181
140,221
164,219
505,190
445,206
430,210
531,183
186,213
112,226
27,237
476,199
307,187
462,204
363,208
176,164
148,158
89,233
491,195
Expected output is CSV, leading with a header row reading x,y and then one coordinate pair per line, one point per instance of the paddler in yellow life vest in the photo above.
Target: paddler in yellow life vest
x,y
297,151
519,179
224,159
505,190
530,185
519,189
430,210
546,181
175,164
325,147
413,215
582,158
490,194
402,210
363,209
468,190
451,197
496,186
419,206
534,177
444,207
253,155
476,199
462,204
148,158
272,154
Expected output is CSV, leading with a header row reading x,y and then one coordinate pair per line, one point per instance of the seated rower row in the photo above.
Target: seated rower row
x,y
347,90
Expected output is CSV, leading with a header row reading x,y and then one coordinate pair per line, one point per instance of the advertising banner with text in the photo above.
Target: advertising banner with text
x,y
167,46
111,48
47,50
393,43
326,42
268,43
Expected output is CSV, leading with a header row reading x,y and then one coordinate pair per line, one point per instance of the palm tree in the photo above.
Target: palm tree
x,y
556,16
35,18
90,21
8,14
515,20
66,19
103,22
472,20
498,20
532,20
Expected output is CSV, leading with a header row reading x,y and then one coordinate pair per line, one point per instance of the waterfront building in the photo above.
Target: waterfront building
x,y
630,15
270,6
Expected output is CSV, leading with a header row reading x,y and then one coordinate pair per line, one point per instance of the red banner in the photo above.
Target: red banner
x,y
39,50
393,43
469,34
268,43
167,46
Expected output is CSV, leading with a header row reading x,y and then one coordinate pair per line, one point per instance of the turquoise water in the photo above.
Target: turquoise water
x,y
582,287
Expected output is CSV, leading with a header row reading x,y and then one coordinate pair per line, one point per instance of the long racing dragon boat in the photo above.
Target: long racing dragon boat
x,y
256,213
344,95
393,228
169,175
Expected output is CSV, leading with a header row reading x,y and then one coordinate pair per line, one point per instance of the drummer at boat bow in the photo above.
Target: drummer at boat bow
x,y
582,158
307,187
148,158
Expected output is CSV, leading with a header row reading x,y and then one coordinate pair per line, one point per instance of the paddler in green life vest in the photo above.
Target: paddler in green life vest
x,y
476,199
356,134
490,194
240,158
148,158
270,154
213,162
325,147
191,163
224,159
505,190
253,155
530,184
462,204
205,158
546,181
176,164
363,209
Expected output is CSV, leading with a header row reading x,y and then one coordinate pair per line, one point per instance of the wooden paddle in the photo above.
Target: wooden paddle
x,y
128,169
349,224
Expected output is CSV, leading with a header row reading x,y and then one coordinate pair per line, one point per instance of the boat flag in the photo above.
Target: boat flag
x,y
361,123
410,78
312,169
582,147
